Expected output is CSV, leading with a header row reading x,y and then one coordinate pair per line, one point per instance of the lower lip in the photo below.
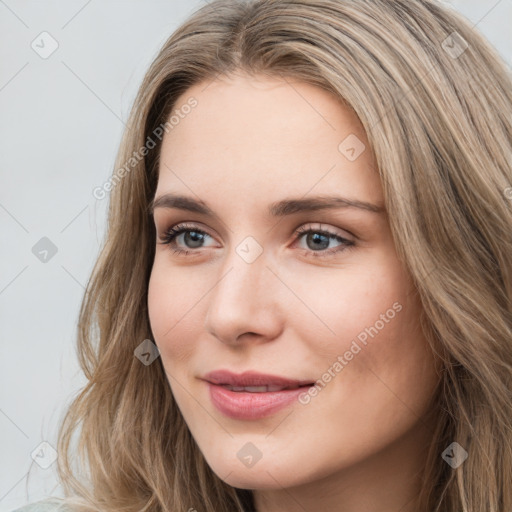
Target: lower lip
x,y
251,406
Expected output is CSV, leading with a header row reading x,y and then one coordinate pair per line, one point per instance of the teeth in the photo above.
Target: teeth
x,y
275,388
255,389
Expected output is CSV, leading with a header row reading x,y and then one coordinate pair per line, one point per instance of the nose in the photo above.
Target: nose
x,y
245,302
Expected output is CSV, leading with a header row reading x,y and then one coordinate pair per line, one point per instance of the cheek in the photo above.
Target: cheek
x,y
386,376
371,343
359,303
171,307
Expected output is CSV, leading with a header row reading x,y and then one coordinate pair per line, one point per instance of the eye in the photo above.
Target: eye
x,y
192,235
317,240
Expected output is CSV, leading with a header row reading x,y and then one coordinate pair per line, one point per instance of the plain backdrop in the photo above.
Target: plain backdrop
x,y
61,120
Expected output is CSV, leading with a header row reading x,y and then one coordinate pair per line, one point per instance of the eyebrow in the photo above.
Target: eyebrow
x,y
277,209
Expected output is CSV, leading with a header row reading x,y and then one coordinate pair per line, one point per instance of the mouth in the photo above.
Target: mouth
x,y
252,395
254,382
260,389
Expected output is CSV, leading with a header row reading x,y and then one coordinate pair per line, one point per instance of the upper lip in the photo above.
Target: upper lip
x,y
251,378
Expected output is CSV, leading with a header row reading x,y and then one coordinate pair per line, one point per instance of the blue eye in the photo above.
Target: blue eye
x,y
195,236
322,237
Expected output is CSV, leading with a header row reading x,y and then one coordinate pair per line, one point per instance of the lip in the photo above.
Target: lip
x,y
251,405
252,378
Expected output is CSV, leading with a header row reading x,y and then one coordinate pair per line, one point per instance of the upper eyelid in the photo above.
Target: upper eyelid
x,y
182,227
331,230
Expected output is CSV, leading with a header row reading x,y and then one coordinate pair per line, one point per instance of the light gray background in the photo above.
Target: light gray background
x,y
61,120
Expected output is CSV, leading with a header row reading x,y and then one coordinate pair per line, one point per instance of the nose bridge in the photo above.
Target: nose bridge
x,y
244,273
243,300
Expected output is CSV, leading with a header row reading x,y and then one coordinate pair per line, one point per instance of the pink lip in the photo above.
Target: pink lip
x,y
246,405
251,378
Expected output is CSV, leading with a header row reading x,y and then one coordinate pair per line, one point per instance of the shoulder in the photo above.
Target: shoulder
x,y
49,505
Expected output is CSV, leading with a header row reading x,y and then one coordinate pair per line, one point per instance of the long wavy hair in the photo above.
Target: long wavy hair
x,y
435,99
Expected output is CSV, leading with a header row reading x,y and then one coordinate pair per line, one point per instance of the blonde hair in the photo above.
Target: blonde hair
x,y
438,117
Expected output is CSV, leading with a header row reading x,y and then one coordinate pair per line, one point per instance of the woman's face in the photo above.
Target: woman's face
x,y
331,304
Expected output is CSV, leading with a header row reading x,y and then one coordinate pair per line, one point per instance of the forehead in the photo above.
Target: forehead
x,y
263,136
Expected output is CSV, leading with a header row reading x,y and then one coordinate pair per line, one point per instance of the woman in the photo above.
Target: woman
x,y
238,365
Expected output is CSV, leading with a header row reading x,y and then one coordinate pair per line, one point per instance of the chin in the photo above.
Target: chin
x,y
265,474
257,479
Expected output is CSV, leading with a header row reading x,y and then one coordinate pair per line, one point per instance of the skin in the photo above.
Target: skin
x,y
359,445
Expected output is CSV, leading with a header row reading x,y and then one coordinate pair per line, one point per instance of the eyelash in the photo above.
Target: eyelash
x,y
170,234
